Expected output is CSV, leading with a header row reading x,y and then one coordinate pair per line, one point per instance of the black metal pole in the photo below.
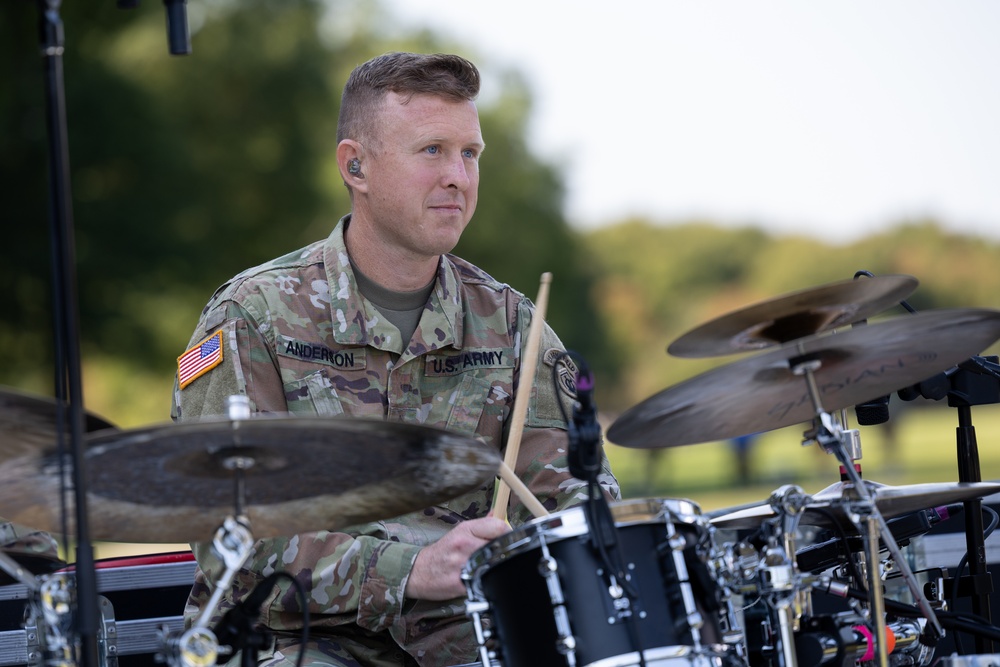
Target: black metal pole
x,y
975,381
68,377
969,471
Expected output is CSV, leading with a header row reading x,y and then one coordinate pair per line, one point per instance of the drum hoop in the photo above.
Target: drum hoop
x,y
561,525
571,522
645,510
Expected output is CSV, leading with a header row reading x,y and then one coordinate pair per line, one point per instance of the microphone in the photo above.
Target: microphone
x,y
178,36
584,431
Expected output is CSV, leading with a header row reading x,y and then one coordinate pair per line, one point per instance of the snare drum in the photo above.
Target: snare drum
x,y
541,595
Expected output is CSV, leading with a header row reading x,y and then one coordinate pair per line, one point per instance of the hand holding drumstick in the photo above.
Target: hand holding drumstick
x,y
436,570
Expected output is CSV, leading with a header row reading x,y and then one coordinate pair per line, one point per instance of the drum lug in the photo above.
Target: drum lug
x,y
547,565
476,607
565,642
677,542
566,645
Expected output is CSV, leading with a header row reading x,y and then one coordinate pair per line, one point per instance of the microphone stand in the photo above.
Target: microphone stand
x,y
973,382
66,320
584,460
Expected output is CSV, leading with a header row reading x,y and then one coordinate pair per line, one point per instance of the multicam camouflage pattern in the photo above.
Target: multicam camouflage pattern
x,y
18,539
300,338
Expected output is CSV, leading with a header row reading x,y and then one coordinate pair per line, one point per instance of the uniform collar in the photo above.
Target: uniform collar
x,y
357,322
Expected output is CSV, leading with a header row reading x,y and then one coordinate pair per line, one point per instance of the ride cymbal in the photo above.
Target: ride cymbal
x,y
891,501
177,482
793,316
762,393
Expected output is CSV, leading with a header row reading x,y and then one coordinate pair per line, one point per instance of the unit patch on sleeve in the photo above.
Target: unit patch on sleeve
x,y
566,370
200,359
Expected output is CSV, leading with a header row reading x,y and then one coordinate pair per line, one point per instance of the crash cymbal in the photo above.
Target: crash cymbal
x,y
793,316
761,393
175,483
29,423
891,501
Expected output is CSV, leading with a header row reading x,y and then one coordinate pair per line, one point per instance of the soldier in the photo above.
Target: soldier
x,y
35,550
378,320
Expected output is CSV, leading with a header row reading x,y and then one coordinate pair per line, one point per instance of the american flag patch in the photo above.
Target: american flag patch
x,y
200,359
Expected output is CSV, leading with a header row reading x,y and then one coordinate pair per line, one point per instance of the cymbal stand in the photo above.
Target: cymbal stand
x,y
779,583
852,441
198,646
830,436
50,613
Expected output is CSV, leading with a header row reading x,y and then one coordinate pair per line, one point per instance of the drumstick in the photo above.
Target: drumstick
x,y
529,359
522,492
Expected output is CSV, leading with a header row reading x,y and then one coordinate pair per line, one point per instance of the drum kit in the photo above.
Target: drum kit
x,y
736,586
640,582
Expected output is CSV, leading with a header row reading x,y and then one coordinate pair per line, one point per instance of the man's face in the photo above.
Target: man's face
x,y
423,176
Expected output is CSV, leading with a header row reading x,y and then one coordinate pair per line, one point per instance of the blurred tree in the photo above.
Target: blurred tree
x,y
186,170
660,280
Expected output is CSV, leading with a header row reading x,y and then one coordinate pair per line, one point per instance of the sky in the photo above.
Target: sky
x,y
831,118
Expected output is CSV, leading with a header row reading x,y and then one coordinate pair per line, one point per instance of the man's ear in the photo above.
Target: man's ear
x,y
350,162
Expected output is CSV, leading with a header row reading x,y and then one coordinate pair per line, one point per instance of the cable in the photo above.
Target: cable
x,y
844,541
951,620
903,303
300,590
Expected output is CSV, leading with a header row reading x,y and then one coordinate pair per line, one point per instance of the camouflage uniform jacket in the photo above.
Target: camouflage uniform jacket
x,y
299,337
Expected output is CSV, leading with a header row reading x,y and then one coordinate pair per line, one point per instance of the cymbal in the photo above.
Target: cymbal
x,y
794,315
891,501
176,483
761,393
29,422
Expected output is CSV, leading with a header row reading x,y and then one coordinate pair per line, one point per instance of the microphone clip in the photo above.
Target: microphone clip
x,y
584,454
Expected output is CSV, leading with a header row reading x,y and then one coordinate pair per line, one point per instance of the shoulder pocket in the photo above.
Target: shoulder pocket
x,y
313,395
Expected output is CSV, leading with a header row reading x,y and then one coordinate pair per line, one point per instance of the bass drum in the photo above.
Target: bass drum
x,y
546,596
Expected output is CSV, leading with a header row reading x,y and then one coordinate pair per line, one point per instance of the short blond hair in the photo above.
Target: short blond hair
x,y
448,76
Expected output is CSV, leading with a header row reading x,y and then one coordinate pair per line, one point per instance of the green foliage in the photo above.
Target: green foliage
x,y
519,232
660,280
186,170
